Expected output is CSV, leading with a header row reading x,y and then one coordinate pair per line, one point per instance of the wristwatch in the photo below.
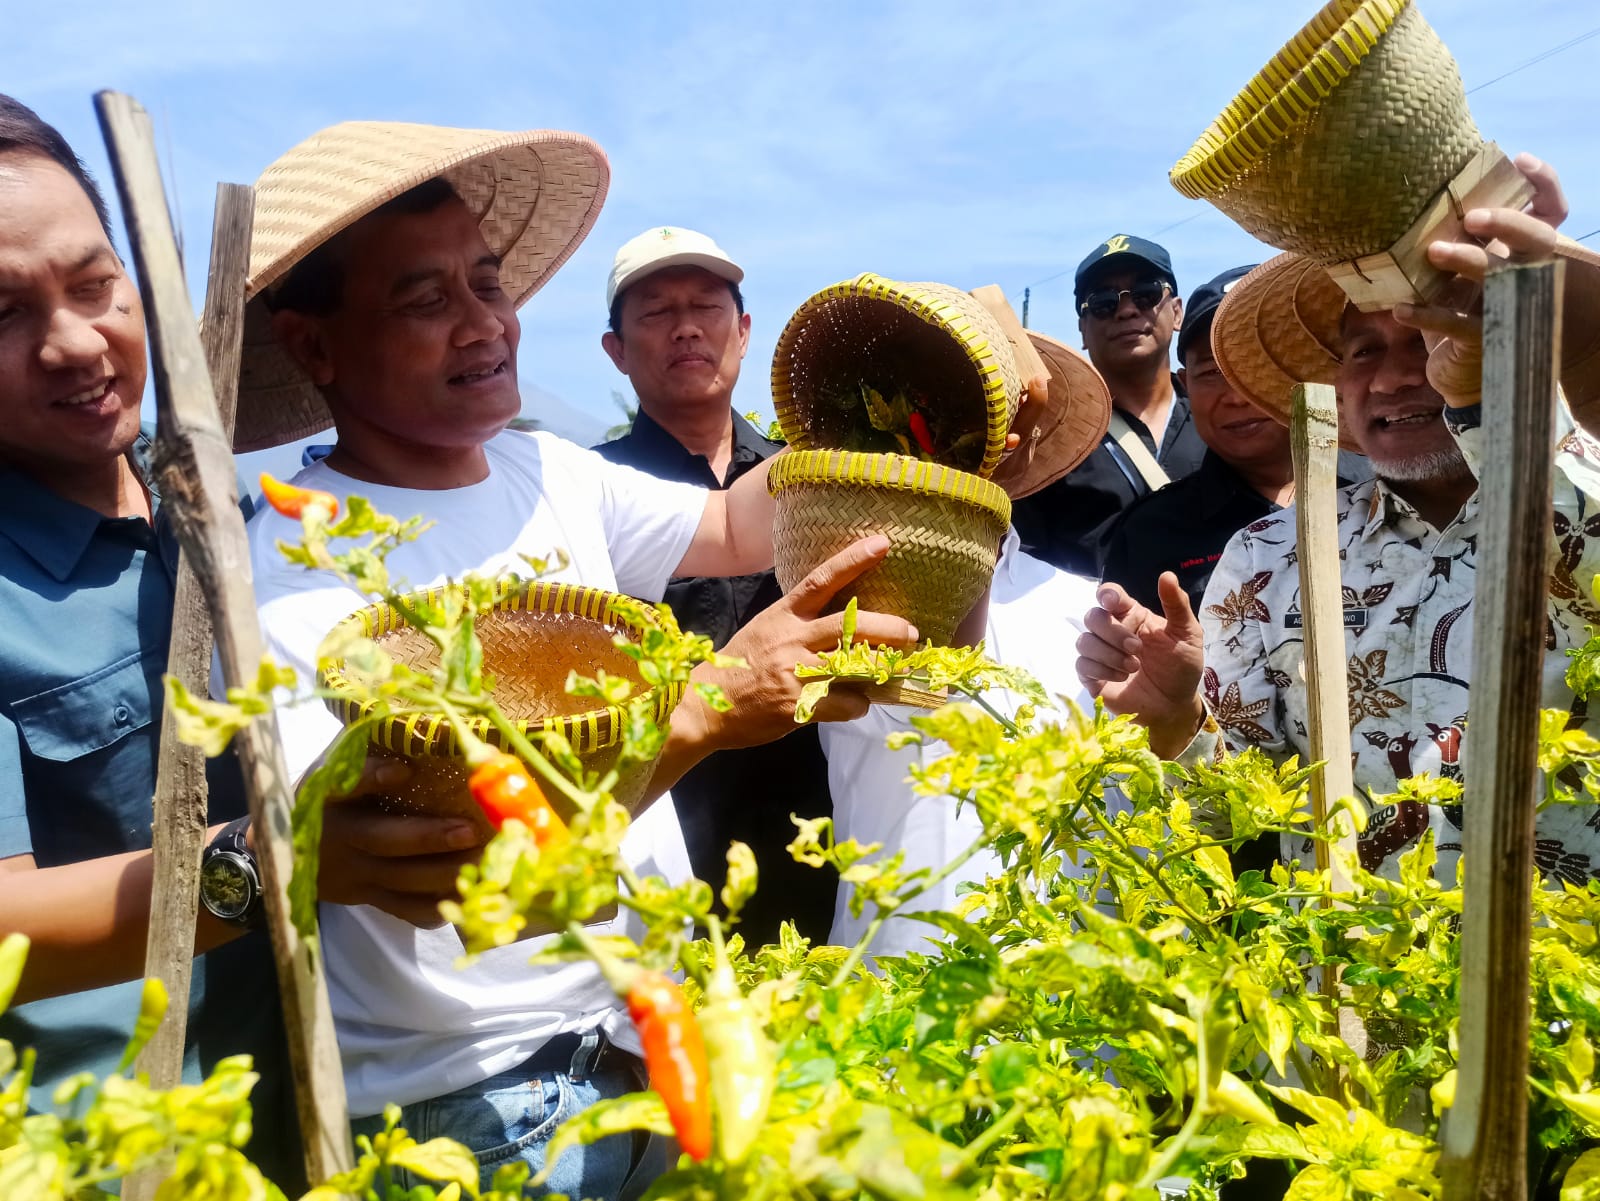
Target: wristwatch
x,y
230,886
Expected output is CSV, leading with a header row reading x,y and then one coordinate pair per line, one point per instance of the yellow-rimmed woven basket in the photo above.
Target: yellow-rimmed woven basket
x,y
944,528
1340,142
880,332
532,636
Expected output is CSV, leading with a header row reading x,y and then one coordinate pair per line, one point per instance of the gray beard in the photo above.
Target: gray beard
x,y
1434,465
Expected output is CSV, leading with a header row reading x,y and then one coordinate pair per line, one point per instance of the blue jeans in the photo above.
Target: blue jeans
x,y
513,1115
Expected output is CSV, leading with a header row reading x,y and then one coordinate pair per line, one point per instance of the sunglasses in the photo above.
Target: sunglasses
x,y
1104,302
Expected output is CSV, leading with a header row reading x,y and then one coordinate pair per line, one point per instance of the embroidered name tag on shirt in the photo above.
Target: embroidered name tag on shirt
x,y
1354,619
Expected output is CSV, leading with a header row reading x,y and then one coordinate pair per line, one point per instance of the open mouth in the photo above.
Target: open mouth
x,y
87,397
469,378
1407,420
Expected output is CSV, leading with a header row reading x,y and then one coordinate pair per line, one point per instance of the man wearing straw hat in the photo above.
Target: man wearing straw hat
x,y
1408,545
87,569
387,265
1128,312
1030,619
679,332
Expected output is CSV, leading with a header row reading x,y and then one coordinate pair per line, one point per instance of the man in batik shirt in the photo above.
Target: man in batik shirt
x,y
1408,543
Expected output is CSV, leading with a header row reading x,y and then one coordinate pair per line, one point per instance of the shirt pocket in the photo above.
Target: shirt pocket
x,y
73,720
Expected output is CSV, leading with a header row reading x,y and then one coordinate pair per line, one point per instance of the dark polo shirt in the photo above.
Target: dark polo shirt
x,y
745,794
1069,523
88,615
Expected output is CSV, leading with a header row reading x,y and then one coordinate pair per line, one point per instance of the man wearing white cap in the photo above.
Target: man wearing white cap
x,y
678,331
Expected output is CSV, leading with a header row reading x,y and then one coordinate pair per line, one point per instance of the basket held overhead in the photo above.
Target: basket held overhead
x,y
1347,140
532,636
944,528
925,347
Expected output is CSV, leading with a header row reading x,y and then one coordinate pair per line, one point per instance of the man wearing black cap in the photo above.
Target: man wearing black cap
x,y
1128,310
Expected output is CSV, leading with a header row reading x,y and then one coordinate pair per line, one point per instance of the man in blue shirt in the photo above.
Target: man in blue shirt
x,y
87,567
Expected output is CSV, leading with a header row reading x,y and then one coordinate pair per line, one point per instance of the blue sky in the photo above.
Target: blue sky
x,y
966,143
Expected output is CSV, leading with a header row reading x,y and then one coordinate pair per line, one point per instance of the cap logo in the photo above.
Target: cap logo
x,y
667,234
1117,245
1228,287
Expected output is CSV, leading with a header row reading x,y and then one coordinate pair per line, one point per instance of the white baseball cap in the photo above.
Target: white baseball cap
x,y
668,246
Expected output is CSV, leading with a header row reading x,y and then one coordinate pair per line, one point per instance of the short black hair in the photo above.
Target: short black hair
x,y
616,305
23,131
315,285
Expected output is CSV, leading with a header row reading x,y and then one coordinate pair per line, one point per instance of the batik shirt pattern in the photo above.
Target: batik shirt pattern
x,y
1408,598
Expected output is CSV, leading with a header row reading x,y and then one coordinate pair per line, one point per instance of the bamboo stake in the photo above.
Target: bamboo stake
x,y
1484,1137
179,829
199,490
1314,443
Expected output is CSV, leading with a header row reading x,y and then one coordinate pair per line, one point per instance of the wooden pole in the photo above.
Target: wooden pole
x,y
1314,444
199,491
1484,1138
178,835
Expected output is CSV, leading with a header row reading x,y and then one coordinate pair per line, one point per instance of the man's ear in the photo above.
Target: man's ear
x,y
611,343
301,337
744,333
1177,314
1183,380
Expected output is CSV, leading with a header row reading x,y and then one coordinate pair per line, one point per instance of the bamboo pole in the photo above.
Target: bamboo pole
x,y
179,826
199,490
1484,1137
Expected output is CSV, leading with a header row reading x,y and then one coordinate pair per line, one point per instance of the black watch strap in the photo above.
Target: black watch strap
x,y
230,882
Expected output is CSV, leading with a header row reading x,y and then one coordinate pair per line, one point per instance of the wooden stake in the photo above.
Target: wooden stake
x,y
199,490
181,795
1314,443
1484,1137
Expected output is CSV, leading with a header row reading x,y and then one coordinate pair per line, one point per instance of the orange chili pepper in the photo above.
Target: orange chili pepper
x,y
292,501
503,789
921,432
675,1054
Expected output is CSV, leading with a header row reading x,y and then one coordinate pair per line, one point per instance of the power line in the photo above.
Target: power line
x,y
1538,58
1587,236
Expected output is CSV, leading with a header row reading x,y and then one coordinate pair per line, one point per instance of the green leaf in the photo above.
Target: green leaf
x,y
440,1159
1582,1182
338,773
13,955
632,1111
152,1009
811,695
742,876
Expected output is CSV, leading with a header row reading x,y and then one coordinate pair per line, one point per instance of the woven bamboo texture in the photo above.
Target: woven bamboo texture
x,y
537,195
944,529
934,337
1339,143
528,647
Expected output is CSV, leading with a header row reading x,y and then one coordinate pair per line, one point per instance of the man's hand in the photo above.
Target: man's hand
x,y
403,865
1146,664
790,632
1454,333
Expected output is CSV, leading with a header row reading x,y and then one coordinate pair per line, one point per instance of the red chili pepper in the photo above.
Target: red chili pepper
x,y
675,1054
503,789
921,432
292,501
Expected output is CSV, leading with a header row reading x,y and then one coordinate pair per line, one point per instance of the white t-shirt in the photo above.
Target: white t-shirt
x,y
411,1025
1035,616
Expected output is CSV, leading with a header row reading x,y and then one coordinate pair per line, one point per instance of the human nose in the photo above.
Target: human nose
x,y
71,340
481,321
1400,368
1125,305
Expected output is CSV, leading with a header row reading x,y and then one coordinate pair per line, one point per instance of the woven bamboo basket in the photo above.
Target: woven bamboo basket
x,y
944,529
532,636
933,338
1340,142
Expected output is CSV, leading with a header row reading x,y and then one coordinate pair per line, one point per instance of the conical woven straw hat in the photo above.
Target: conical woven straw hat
x,y
537,195
1059,434
1279,326
1339,143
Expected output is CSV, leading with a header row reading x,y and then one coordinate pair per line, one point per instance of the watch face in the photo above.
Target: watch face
x,y
226,885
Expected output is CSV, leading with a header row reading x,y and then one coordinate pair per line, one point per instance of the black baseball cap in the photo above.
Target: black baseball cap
x,y
1202,306
1121,248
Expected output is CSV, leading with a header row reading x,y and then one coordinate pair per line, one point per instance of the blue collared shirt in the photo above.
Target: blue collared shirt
x,y
87,614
